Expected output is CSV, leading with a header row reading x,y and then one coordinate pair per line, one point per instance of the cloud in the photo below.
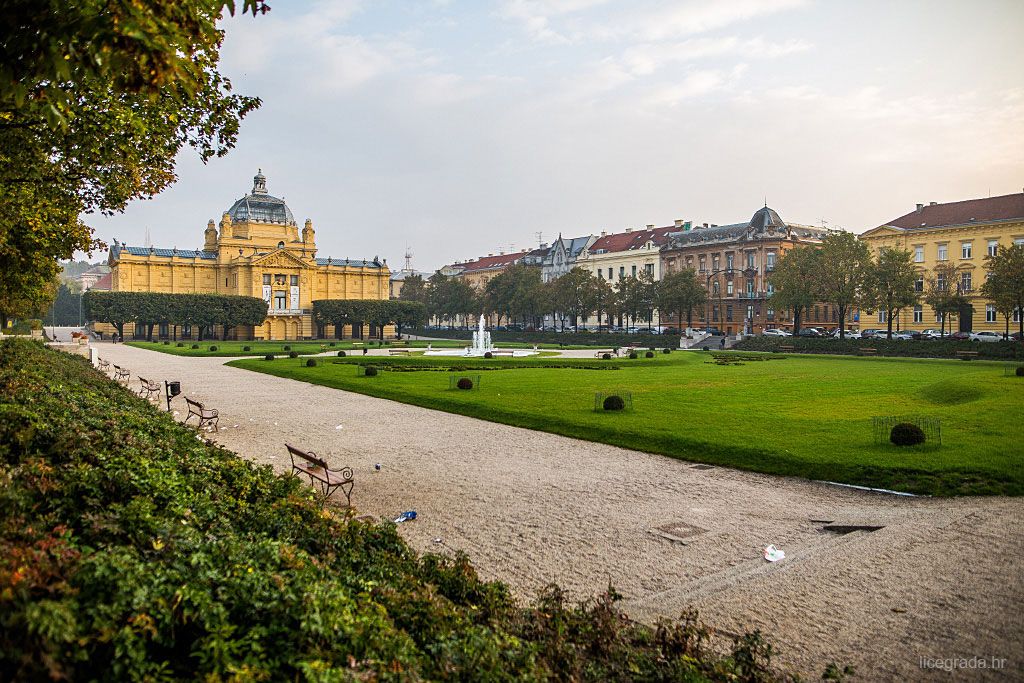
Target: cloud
x,y
646,58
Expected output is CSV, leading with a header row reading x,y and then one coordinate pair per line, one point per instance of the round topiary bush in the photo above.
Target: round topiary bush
x,y
247,348
334,344
704,348
370,371
632,355
181,343
341,353
649,354
269,356
606,356
614,402
906,434
293,354
666,350
287,348
488,354
1019,371
195,346
464,383
213,348
311,363
167,343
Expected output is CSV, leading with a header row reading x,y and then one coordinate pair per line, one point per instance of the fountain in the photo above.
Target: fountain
x,y
481,345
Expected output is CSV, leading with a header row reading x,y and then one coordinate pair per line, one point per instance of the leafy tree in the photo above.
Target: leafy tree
x,y
889,284
843,264
679,292
408,314
1005,283
414,288
515,292
604,300
793,282
942,295
66,307
96,101
576,294
630,298
31,302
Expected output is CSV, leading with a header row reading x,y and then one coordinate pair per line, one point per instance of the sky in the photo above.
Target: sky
x,y
458,128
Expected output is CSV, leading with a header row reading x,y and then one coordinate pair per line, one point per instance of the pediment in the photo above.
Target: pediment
x,y
882,231
280,258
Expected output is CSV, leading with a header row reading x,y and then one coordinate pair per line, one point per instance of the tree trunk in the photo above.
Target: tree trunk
x,y
842,323
796,320
888,316
149,332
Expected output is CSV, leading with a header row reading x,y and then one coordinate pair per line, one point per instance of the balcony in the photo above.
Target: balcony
x,y
286,311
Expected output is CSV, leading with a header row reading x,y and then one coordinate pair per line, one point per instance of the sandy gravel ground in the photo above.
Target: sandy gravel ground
x,y
941,579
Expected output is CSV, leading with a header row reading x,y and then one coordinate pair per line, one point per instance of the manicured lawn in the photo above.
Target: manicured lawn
x,y
261,348
806,416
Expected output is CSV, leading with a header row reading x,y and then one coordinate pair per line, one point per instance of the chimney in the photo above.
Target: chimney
x,y
932,203
490,254
650,226
604,233
628,230
920,207
705,225
679,222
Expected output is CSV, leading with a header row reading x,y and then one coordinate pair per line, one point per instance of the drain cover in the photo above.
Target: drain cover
x,y
850,528
703,467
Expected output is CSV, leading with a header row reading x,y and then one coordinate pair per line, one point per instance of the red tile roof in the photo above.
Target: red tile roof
x,y
491,262
1006,207
102,284
624,241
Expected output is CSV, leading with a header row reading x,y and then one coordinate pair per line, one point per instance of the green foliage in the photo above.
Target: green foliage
x,y
464,383
924,348
614,402
1005,284
369,371
311,362
449,297
195,346
244,348
600,339
632,355
906,434
269,356
606,356
666,350
180,344
942,292
213,348
66,307
680,292
488,354
1019,372
167,343
889,284
153,308
341,353
379,312
649,354
843,265
293,354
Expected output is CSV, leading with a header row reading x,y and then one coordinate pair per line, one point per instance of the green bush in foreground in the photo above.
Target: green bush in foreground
x,y
341,353
464,383
649,354
311,362
1019,371
906,434
370,371
614,402
269,356
632,355
247,348
213,348
195,346
293,354
142,552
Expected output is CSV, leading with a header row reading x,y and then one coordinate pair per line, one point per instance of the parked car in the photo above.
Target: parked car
x,y
670,330
868,333
986,336
1016,337
901,336
960,336
835,333
776,333
714,331
930,333
809,332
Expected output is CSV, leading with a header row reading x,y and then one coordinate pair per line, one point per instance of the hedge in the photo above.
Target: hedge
x,y
924,348
564,338
132,549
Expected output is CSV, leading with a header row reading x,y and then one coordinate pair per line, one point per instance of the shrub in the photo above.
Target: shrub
x,y
614,402
464,383
287,347
370,371
488,354
293,354
1019,371
213,348
632,355
606,356
247,348
666,350
311,362
649,354
269,356
195,346
181,343
341,353
167,343
333,344
906,434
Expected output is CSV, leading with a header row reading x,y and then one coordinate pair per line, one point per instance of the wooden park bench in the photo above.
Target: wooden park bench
x,y
206,415
787,348
399,343
601,353
867,351
103,365
122,374
966,355
148,388
316,468
503,352
398,352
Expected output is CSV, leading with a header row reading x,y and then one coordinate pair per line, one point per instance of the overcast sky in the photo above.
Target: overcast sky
x,y
461,128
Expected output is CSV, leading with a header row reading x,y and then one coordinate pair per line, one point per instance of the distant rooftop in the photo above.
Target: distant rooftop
x,y
1006,207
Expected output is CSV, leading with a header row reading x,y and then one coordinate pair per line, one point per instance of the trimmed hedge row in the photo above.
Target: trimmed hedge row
x,y
565,338
131,549
925,348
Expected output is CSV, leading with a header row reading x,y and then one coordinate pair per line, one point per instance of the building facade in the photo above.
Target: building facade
x,y
562,256
960,234
735,262
256,250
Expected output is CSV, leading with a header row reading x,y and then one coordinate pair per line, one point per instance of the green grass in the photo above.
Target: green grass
x,y
806,416
261,348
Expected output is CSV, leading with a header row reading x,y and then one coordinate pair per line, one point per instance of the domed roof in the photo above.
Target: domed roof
x,y
766,218
261,207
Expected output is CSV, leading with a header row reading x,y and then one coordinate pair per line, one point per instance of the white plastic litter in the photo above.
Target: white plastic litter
x,y
773,554
338,427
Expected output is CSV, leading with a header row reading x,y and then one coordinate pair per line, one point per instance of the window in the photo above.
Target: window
x,y
918,313
728,313
770,313
649,269
919,254
728,287
966,250
750,289
715,262
715,288
1016,315
1018,241
938,317
634,271
751,259
266,279
770,260
965,282
186,330
279,299
295,280
817,313
882,316
600,274
163,329
771,289
703,264
990,313
622,272
993,247
919,283
280,245
729,261
714,314
610,274
940,282
943,252
750,312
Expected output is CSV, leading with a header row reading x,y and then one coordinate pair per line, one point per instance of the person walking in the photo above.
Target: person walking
x,y
721,344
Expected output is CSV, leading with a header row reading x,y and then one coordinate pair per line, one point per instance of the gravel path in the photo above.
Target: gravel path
x,y
941,579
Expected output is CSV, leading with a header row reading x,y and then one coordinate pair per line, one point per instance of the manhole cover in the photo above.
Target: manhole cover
x,y
843,529
680,531
703,467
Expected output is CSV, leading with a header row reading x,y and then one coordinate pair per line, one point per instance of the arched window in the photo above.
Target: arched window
x,y
280,245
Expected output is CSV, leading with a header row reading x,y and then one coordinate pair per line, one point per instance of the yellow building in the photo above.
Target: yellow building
x,y
257,251
961,234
